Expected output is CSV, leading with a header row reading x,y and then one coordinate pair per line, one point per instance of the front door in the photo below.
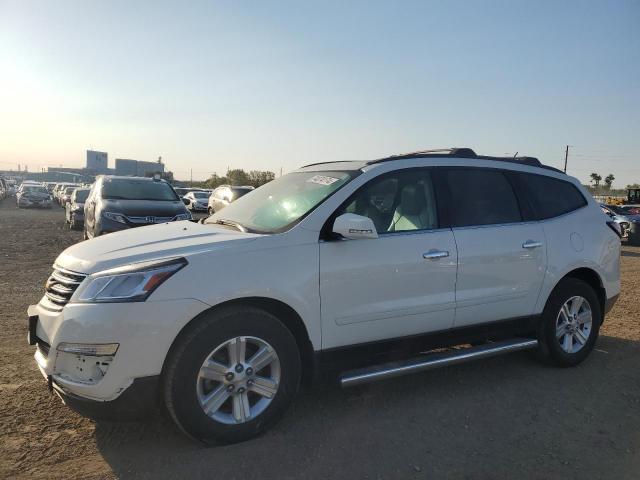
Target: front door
x,y
401,283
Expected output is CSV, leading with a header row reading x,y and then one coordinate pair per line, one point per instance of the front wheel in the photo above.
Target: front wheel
x,y
570,323
231,375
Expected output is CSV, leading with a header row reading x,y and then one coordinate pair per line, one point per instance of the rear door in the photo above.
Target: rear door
x,y
501,252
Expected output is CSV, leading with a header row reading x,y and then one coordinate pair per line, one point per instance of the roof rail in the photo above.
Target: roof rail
x,y
464,152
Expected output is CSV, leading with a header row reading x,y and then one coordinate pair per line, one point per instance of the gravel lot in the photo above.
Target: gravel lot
x,y
506,417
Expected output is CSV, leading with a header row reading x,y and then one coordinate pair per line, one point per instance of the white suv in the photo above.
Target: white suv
x,y
356,268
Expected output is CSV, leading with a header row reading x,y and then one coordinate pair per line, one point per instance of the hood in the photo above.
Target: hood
x,y
35,195
174,239
144,208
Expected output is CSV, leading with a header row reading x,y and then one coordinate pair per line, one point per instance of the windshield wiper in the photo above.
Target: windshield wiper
x,y
231,223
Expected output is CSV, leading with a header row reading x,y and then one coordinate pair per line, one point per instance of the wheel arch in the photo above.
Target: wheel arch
x,y
593,279
285,313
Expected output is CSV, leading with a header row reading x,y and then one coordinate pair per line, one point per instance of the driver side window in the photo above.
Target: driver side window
x,y
401,201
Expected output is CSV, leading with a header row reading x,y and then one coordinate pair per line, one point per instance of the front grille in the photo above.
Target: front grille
x,y
61,285
147,220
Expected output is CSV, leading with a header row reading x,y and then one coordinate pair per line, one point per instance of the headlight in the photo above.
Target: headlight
x,y
183,216
116,217
131,283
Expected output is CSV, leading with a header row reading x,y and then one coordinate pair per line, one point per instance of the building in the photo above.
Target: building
x,y
97,161
137,168
126,167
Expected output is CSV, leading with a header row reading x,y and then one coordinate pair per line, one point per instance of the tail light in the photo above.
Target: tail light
x,y
616,228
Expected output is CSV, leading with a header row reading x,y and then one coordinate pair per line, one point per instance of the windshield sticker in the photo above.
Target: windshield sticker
x,y
322,180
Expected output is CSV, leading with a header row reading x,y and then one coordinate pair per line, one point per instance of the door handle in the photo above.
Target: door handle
x,y
435,254
531,244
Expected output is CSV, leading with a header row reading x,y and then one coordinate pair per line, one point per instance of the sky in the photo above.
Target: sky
x,y
276,85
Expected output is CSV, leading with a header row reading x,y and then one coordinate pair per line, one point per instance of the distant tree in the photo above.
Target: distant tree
x,y
634,185
608,181
595,178
215,181
259,177
238,177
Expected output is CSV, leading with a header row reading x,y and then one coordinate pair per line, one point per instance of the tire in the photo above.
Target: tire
x,y
552,348
184,389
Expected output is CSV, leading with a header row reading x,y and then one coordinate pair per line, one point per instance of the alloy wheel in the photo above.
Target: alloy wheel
x,y
573,324
238,380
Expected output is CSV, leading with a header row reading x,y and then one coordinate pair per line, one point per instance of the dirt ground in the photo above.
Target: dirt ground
x,y
506,417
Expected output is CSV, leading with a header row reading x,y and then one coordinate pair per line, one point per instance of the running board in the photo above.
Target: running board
x,y
434,360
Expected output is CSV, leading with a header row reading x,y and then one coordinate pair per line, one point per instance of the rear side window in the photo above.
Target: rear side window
x,y
481,197
551,197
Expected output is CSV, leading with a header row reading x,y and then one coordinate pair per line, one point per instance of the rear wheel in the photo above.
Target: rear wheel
x,y
570,323
232,375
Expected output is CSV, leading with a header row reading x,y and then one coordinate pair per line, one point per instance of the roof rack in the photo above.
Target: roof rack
x,y
464,152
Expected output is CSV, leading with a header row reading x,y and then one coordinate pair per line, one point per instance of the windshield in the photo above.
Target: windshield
x,y
81,196
130,189
279,204
201,194
239,192
35,189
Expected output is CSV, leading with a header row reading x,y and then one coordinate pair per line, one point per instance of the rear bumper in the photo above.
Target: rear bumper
x,y
138,401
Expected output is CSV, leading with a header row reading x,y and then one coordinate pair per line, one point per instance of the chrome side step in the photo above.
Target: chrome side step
x,y
434,360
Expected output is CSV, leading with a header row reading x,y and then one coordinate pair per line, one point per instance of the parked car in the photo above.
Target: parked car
x,y
12,189
56,191
631,209
224,195
59,191
181,191
623,221
74,209
631,214
33,195
118,203
65,195
336,267
196,200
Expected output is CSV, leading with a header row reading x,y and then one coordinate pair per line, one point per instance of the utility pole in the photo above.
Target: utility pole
x,y
191,178
566,156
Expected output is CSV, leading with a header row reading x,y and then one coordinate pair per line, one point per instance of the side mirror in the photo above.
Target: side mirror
x,y
353,227
185,201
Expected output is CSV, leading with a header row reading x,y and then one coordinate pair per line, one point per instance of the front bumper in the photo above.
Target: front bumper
x,y
23,202
143,330
138,401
